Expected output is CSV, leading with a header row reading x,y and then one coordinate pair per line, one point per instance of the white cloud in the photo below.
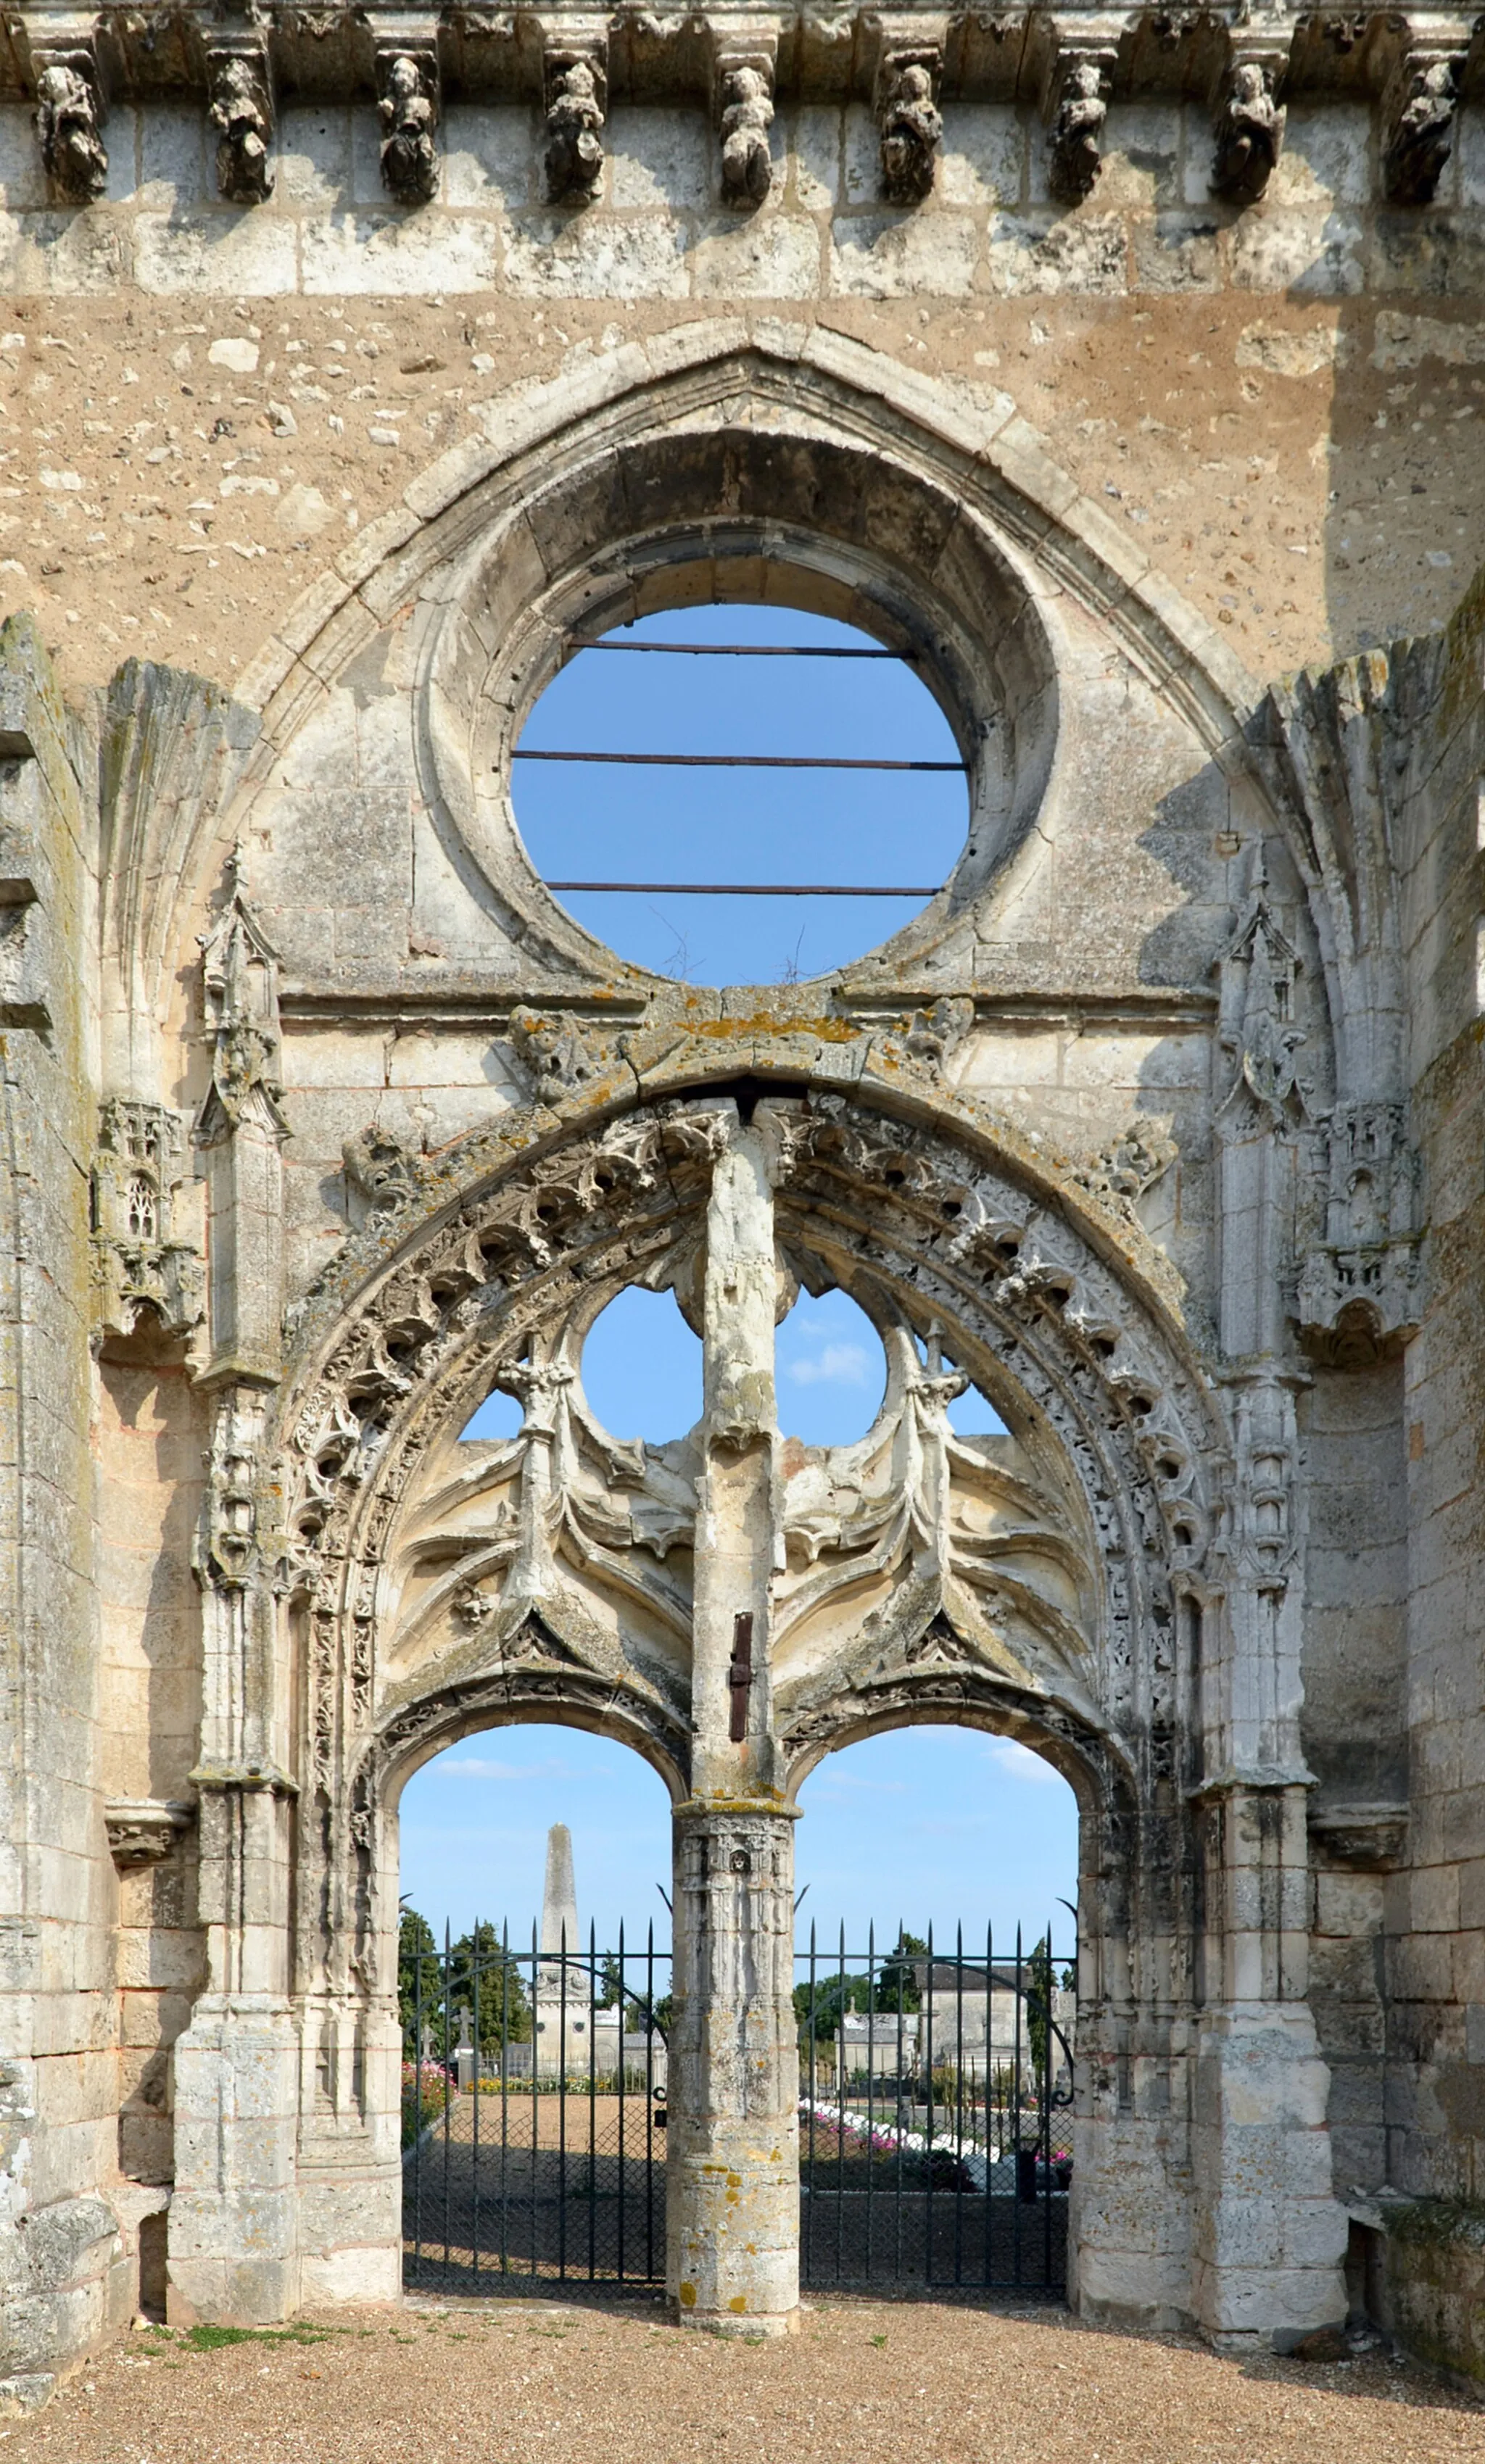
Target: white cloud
x,y
838,1364
1018,1762
479,1767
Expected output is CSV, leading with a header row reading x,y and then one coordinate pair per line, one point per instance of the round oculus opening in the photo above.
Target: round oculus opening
x,y
782,796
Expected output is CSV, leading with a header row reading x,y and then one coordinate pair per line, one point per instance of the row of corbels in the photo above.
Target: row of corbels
x,y
1419,110
409,103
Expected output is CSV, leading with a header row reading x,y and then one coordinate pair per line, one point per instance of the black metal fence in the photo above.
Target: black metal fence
x,y
934,2089
533,2146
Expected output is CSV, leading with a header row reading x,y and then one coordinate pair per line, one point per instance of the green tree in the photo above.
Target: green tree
x,y
1038,1981
419,1979
896,1984
485,1981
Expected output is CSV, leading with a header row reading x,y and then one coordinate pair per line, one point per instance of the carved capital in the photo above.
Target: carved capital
x,y
140,1262
1418,113
70,119
1249,123
144,1830
240,83
575,89
409,105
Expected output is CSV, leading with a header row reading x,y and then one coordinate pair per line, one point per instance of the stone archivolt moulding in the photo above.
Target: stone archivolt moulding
x,y
438,1586
1417,68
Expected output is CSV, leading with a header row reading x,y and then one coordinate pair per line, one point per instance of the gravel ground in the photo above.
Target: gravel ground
x,y
454,2385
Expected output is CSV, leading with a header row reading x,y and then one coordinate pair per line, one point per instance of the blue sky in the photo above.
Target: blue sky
x,y
939,1824
583,824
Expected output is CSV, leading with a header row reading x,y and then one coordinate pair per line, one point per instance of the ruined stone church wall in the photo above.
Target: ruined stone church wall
x,y
66,2273
207,401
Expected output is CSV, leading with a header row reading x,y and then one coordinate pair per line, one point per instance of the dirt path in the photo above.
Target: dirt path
x,y
452,2385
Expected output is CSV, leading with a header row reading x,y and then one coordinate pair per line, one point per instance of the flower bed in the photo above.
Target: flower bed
x,y
425,2099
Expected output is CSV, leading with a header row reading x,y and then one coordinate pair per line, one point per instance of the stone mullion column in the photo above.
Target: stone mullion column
x,y
732,2184
233,2218
1270,2234
233,2249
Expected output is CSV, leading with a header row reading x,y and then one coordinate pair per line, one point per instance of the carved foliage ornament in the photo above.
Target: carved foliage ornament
x,y
140,1265
69,124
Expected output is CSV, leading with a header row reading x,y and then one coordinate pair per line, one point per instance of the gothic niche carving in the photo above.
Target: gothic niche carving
x,y
1419,117
239,978
1250,133
408,107
746,109
577,99
910,124
1357,1296
243,111
1074,144
69,125
142,1268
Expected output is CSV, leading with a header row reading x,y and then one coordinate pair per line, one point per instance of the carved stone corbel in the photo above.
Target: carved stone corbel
x,y
240,83
409,103
908,76
70,120
1368,1839
1077,107
139,1263
575,83
1249,123
742,73
144,1830
1418,113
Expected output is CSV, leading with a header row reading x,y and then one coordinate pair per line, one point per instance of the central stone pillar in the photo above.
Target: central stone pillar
x,y
732,2183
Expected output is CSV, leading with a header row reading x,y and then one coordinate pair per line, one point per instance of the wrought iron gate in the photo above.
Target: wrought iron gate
x,y
935,2090
935,2098
533,2116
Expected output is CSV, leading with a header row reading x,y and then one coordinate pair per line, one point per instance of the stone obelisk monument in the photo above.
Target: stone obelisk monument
x,y
562,1997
